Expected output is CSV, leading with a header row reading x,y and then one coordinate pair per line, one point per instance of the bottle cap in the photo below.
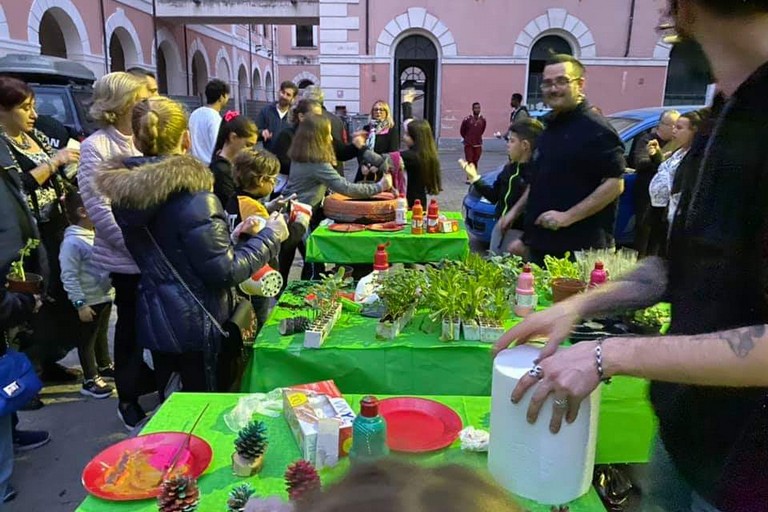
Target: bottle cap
x,y
598,265
381,258
402,194
369,407
417,202
527,268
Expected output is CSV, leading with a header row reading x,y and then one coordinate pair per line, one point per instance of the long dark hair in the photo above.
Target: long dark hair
x,y
312,142
426,149
240,126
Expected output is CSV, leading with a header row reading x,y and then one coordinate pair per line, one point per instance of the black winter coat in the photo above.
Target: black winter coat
x,y
171,198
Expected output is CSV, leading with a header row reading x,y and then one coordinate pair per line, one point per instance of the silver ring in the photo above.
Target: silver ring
x,y
537,372
561,403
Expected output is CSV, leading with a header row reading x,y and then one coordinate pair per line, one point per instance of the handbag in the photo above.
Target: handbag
x,y
240,328
19,382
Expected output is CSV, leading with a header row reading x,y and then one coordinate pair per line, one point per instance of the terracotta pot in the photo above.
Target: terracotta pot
x,y
32,285
246,467
563,288
379,208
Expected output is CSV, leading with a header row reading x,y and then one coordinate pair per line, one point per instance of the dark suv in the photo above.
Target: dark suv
x,y
63,88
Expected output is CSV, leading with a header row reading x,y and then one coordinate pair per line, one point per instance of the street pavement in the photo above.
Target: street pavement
x,y
48,479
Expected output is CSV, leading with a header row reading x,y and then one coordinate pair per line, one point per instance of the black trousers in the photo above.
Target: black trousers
x,y
133,377
93,350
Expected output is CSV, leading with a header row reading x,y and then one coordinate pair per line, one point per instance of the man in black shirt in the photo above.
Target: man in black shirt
x,y
709,381
577,170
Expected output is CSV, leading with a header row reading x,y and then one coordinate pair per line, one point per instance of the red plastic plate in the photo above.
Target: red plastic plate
x,y
150,455
386,226
346,228
417,425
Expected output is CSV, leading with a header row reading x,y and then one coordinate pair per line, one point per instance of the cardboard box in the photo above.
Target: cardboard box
x,y
304,408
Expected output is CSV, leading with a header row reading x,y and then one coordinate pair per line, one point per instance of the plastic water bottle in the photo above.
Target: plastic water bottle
x,y
369,433
598,276
525,293
402,210
417,218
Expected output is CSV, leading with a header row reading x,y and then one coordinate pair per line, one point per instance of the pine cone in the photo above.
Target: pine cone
x,y
252,440
238,497
301,479
178,494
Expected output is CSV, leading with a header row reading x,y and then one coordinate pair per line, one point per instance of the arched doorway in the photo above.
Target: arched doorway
x,y
540,53
416,68
688,75
199,74
242,83
116,54
52,40
162,71
269,90
303,84
256,84
223,72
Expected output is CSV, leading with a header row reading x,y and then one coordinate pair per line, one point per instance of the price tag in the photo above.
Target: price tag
x,y
297,399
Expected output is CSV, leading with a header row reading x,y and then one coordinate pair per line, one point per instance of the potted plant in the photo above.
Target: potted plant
x,y
565,276
20,281
444,296
495,311
327,308
250,445
472,304
398,293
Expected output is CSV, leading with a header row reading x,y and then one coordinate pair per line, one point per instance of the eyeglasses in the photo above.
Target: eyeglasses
x,y
558,82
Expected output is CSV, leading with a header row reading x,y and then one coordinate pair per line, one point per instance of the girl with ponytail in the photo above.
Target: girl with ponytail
x,y
177,232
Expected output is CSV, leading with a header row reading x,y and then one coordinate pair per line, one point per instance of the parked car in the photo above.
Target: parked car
x,y
479,213
63,89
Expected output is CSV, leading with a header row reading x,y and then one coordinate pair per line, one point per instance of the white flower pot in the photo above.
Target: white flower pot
x,y
490,333
315,335
451,330
471,331
388,329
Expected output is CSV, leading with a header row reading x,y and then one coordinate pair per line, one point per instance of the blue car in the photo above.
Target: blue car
x,y
479,213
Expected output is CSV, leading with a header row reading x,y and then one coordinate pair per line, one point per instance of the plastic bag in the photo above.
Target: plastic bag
x,y
267,404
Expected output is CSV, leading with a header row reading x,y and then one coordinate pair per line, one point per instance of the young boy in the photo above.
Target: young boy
x,y
510,190
90,291
255,172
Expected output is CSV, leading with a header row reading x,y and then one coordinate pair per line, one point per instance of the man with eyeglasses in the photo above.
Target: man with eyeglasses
x,y
645,168
577,170
709,383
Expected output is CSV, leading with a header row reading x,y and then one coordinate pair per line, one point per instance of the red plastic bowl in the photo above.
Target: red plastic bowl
x,y
417,425
159,450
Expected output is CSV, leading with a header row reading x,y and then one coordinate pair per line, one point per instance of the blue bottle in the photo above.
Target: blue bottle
x,y
369,433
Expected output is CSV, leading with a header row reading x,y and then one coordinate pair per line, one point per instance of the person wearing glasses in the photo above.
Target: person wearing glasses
x,y
380,135
645,166
577,170
709,387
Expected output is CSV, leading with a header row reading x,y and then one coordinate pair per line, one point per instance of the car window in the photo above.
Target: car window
x,y
622,124
54,104
84,99
630,146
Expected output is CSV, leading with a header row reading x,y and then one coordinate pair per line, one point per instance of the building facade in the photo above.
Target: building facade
x,y
453,52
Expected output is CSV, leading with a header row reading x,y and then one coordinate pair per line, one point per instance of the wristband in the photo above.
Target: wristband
x,y
599,362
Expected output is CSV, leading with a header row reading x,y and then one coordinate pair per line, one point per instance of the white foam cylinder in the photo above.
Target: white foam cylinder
x,y
529,460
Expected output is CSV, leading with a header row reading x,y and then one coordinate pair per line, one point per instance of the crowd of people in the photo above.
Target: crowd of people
x,y
168,213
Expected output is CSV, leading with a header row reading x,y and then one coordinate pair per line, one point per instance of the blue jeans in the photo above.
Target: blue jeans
x,y
667,490
6,455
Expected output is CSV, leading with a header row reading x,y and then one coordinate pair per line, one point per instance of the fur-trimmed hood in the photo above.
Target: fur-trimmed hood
x,y
142,183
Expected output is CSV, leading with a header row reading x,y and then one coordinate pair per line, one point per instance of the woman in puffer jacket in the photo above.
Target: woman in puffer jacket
x,y
176,230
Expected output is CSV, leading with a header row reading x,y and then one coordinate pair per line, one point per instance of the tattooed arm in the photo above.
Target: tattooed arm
x,y
737,357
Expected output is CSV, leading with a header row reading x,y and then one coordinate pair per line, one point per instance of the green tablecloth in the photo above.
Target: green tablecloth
x,y
417,363
328,246
218,480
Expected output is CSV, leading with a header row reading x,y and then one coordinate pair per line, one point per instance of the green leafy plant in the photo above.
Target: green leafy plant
x,y
444,291
510,266
17,267
654,317
562,268
497,306
542,282
327,290
399,292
